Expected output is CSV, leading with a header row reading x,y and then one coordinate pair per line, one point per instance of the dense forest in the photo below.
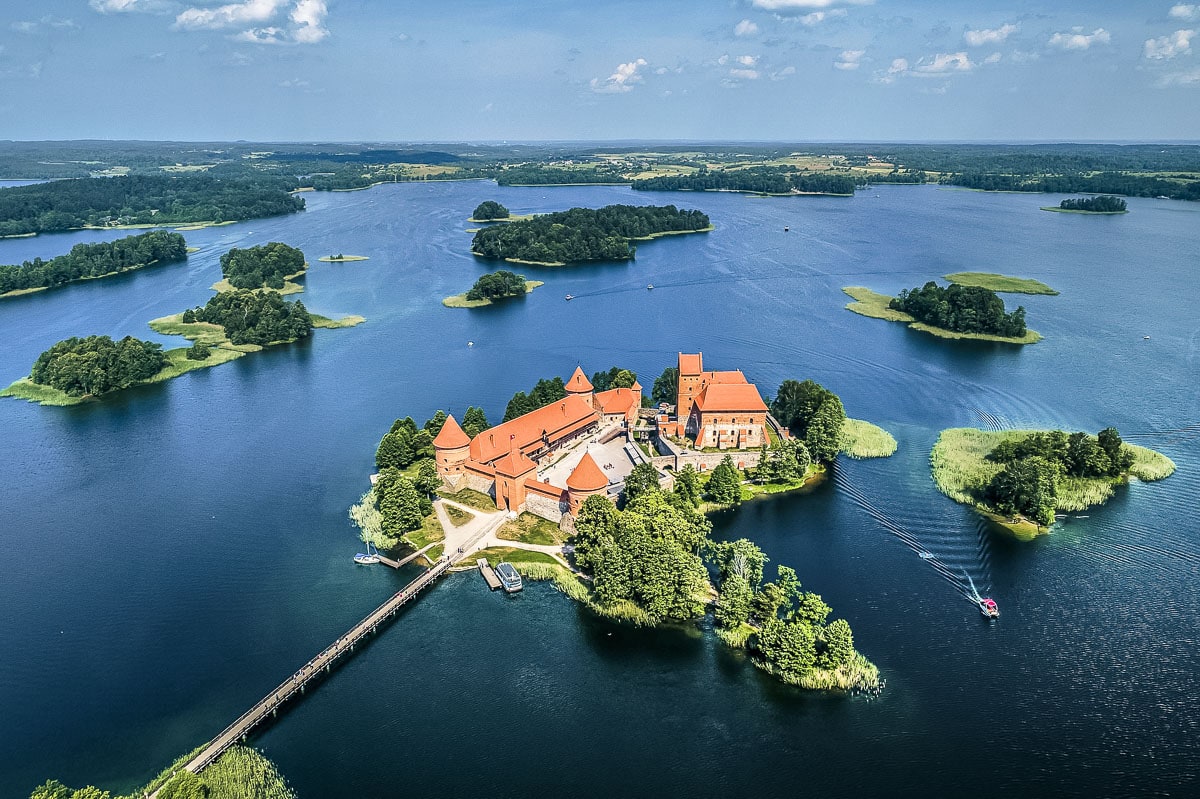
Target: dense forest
x,y
546,391
97,365
814,415
265,265
1105,204
142,199
532,175
1035,466
1103,183
95,260
961,309
254,317
764,180
497,285
489,210
584,234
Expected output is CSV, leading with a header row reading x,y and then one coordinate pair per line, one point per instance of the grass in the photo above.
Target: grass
x,y
337,259
429,532
961,471
471,498
513,555
1001,283
461,301
571,585
864,440
875,305
289,287
660,234
509,218
530,529
19,292
335,324
458,516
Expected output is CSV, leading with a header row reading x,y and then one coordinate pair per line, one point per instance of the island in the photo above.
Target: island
x,y
1022,479
1000,283
491,288
340,258
566,450
142,200
584,234
93,261
957,312
268,266
489,211
1104,204
764,180
231,324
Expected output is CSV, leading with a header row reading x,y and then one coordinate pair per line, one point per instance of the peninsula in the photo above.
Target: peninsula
x,y
584,234
1020,478
92,262
957,312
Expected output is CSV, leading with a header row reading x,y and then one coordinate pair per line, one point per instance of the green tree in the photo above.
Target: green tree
x,y
823,439
474,421
687,485
199,352
740,558
1120,457
665,387
725,485
595,528
643,478
489,210
403,508
435,422
428,481
790,647
733,607
395,450
839,645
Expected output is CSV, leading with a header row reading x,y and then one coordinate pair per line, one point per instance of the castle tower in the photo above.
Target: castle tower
x,y
585,481
580,386
511,473
451,449
691,383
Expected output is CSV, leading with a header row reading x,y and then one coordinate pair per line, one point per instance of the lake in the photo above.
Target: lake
x,y
173,552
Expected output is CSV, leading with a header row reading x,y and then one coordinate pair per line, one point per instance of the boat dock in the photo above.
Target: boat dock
x,y
396,564
489,574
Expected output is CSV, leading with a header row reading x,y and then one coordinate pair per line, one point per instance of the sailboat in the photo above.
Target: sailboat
x,y
987,605
368,557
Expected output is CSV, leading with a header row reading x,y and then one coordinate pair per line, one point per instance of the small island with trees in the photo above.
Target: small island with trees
x,y
1104,204
584,234
1021,479
489,211
93,261
491,288
340,258
954,312
267,266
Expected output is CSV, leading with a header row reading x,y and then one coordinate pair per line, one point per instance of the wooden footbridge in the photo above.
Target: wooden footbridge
x,y
269,705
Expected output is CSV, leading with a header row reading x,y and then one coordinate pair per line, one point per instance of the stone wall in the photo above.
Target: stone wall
x,y
481,484
546,508
707,461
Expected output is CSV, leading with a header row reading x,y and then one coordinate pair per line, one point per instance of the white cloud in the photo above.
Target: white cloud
x,y
817,17
268,35
233,14
745,74
48,21
1189,78
745,28
1078,40
1178,43
994,58
622,80
943,63
783,73
849,59
785,6
747,60
989,35
309,16
1185,11
122,6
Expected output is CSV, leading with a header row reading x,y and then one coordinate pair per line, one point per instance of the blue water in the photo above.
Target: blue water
x,y
171,553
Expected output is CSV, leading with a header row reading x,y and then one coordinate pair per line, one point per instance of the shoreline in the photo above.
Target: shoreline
x,y
1001,284
461,301
1082,211
875,305
133,268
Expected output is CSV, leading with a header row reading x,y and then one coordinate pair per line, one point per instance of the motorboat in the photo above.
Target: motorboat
x,y
510,580
570,297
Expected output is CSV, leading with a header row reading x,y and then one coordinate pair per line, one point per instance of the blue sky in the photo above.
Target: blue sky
x,y
456,70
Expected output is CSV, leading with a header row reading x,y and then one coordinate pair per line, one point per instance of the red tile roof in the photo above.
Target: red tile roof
x,y
618,400
556,421
691,364
514,464
735,376
725,397
578,384
451,436
587,476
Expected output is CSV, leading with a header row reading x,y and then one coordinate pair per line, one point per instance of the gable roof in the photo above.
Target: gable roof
x,y
555,421
725,397
735,376
578,382
587,476
451,436
691,364
514,464
618,400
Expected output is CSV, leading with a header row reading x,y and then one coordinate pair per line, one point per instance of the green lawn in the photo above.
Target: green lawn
x,y
530,529
429,532
458,516
495,555
471,498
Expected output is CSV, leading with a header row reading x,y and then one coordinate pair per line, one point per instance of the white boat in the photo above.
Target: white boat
x,y
509,579
368,557
926,555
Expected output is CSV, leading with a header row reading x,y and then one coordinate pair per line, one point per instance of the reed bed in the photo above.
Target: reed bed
x,y
862,439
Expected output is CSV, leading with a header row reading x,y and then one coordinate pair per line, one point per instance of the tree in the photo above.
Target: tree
x,y
403,508
97,365
474,421
725,484
665,387
266,265
789,647
643,478
198,352
1120,457
497,285
367,518
1027,486
435,422
733,607
595,528
823,438
489,210
395,450
428,481
687,485
839,645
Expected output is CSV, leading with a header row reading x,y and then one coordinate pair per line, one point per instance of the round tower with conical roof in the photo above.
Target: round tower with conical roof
x,y
580,386
451,449
587,480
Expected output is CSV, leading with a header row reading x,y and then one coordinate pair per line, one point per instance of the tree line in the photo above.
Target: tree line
x,y
961,309
762,179
96,365
533,175
1102,183
142,199
265,265
583,234
95,260
497,285
814,415
1106,204
254,317
489,210
1035,466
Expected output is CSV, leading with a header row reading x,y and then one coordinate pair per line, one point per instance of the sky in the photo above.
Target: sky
x,y
538,70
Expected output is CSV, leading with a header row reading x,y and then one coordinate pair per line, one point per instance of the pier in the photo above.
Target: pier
x,y
396,564
489,574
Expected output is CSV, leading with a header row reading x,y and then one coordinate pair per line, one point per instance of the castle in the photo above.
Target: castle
x,y
548,461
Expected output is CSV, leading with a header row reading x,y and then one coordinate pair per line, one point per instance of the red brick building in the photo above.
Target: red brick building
x,y
718,409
